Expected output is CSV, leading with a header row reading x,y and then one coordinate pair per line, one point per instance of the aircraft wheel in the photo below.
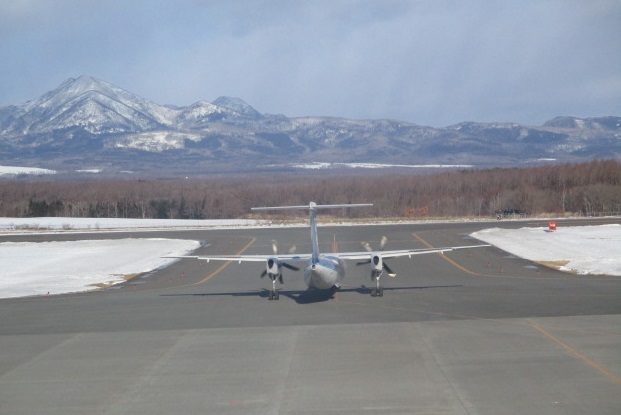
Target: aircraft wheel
x,y
276,295
380,292
270,296
373,292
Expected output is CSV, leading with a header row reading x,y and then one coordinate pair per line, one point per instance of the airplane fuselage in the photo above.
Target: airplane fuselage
x,y
324,273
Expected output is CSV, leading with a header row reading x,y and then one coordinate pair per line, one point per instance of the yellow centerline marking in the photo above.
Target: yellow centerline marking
x,y
464,269
570,349
455,264
577,354
556,340
478,274
226,264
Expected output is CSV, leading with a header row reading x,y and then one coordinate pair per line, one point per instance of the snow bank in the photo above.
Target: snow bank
x,y
53,223
15,170
580,249
30,268
61,267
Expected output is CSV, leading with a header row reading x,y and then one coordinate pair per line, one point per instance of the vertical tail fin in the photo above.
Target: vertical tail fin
x,y
312,208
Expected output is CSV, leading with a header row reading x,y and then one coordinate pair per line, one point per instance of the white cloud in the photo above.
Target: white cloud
x,y
431,62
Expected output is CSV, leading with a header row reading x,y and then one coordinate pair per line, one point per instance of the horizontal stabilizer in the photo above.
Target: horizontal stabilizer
x,y
313,206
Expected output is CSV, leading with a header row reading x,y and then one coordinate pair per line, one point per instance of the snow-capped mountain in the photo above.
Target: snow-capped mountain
x,y
596,123
99,107
93,105
86,122
237,105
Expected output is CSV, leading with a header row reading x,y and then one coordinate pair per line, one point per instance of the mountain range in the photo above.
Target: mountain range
x,y
87,123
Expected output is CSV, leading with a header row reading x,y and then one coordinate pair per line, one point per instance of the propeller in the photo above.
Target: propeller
x,y
291,250
273,268
378,264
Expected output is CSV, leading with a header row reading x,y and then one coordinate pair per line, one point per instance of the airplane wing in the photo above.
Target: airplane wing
x,y
342,255
246,258
401,252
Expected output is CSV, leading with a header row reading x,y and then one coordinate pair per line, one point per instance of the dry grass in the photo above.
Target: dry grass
x,y
127,277
557,265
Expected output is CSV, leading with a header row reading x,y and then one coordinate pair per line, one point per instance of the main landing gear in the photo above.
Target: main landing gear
x,y
378,291
273,294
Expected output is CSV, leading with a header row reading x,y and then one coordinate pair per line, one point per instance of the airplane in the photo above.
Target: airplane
x,y
325,271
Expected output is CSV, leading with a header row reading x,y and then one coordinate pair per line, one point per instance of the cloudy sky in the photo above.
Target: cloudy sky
x,y
432,62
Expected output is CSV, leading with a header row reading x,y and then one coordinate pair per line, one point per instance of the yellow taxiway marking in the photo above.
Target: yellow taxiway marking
x,y
455,264
577,354
556,340
226,264
478,274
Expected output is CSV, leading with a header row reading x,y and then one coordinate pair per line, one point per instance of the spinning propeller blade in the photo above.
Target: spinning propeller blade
x,y
383,242
279,263
368,248
387,268
291,267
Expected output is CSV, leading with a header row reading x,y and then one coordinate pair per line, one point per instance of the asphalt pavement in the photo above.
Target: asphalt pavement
x,y
468,332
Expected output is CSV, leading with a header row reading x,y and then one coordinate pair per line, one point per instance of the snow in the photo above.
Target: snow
x,y
414,166
156,141
325,165
10,225
578,249
14,170
30,268
199,110
94,171
236,104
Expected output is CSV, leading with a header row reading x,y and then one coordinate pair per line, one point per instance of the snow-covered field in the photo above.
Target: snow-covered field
x,y
59,267
580,249
9,225
30,268
316,165
15,170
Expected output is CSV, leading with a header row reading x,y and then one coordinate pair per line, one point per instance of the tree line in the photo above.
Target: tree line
x,y
589,188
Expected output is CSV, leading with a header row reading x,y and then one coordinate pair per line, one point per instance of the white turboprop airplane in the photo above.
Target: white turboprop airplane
x,y
325,271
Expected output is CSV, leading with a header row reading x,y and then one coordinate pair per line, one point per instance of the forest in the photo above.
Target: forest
x,y
585,189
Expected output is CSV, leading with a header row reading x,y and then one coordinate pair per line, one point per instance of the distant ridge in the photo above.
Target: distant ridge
x,y
88,123
591,123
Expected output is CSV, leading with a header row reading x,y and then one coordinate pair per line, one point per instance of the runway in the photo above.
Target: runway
x,y
469,332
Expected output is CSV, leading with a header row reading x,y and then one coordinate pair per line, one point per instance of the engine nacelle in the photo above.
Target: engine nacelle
x,y
377,263
272,268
